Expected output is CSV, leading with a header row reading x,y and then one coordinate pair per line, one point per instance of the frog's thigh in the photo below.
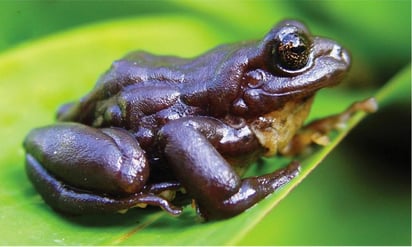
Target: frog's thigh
x,y
102,160
196,163
206,175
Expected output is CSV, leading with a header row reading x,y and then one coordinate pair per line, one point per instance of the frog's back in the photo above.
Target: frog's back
x,y
142,67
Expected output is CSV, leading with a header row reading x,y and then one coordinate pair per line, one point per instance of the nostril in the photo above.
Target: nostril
x,y
336,52
345,56
341,54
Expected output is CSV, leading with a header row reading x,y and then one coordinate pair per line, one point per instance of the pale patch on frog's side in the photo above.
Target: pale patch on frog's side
x,y
274,130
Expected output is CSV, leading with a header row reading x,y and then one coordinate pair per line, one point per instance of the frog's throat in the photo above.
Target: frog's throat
x,y
275,130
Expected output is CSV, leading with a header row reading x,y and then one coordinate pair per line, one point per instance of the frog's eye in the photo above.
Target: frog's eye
x,y
292,51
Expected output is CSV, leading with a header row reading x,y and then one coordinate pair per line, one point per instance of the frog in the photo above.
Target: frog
x,y
157,126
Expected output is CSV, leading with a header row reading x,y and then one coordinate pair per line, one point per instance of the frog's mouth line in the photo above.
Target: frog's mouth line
x,y
326,71
300,90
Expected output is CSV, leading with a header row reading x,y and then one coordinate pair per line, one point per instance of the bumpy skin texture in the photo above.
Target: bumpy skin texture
x,y
155,124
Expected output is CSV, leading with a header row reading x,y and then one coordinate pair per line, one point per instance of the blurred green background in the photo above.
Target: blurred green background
x,y
361,194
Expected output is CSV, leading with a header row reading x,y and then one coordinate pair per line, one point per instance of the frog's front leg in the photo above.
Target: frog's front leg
x,y
78,169
318,130
189,145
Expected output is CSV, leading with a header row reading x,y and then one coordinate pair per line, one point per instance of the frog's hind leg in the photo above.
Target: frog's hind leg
x,y
79,169
218,191
68,200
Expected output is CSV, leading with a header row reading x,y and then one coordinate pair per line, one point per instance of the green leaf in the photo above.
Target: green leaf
x,y
39,76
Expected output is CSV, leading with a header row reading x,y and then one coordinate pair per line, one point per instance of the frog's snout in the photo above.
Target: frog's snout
x,y
340,54
328,49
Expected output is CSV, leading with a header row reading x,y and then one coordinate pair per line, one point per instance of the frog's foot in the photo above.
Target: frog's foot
x,y
252,190
72,201
318,130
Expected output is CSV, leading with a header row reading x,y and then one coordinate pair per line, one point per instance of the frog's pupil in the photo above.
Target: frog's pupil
x,y
298,49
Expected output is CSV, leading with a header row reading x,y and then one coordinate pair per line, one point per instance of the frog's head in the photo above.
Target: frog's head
x,y
289,64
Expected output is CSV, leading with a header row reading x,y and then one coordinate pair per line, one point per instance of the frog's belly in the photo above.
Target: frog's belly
x,y
275,129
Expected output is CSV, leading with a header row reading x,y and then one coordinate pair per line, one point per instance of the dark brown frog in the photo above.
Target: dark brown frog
x,y
154,125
